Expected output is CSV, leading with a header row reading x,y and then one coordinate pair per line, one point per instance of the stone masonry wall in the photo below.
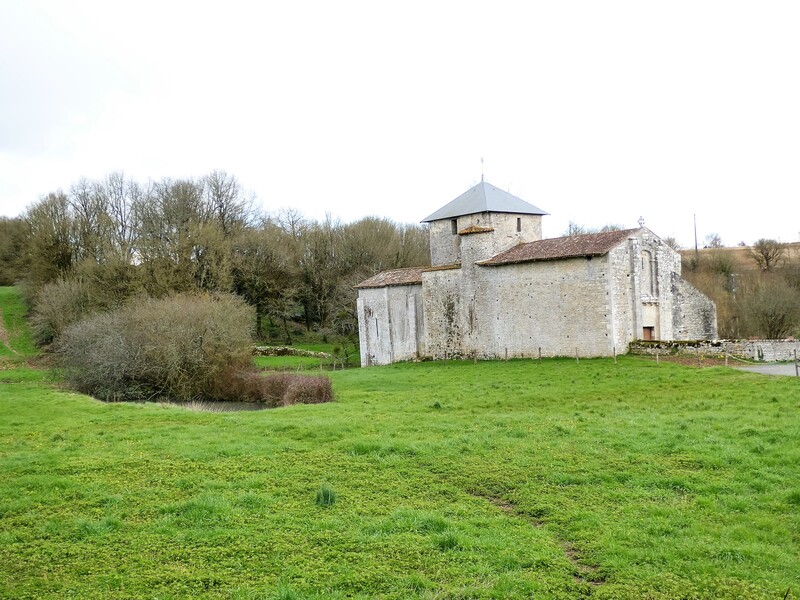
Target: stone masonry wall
x,y
442,308
757,350
446,246
514,310
623,293
559,306
694,315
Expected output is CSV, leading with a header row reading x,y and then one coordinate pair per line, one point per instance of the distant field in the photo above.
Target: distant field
x,y
739,256
519,479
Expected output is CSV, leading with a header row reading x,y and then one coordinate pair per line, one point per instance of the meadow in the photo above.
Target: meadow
x,y
518,479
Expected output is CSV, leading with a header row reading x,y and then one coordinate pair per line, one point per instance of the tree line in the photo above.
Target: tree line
x,y
105,242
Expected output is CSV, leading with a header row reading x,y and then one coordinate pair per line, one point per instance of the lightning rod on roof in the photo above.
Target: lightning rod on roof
x,y
481,168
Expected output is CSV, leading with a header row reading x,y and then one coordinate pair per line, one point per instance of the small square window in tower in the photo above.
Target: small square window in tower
x,y
454,226
648,333
519,224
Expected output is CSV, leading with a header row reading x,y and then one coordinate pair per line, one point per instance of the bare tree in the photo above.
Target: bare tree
x,y
768,253
227,203
770,306
713,241
576,229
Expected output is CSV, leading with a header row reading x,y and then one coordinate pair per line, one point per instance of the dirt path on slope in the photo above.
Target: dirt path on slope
x,y
4,339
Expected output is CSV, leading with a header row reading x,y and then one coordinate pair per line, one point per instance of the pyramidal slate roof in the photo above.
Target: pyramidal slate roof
x,y
590,244
484,197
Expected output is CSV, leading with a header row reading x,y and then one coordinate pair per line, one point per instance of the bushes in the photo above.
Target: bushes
x,y
282,389
176,347
58,305
299,389
187,347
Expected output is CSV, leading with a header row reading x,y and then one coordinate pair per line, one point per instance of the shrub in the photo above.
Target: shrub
x,y
304,389
58,305
181,348
282,389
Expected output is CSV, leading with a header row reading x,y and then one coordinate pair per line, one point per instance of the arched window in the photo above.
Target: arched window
x,y
648,274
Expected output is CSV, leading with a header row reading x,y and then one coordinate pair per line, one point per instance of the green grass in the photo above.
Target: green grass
x,y
305,362
519,479
290,362
496,480
16,343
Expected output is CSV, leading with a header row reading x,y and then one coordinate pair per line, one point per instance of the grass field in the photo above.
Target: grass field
x,y
510,479
306,363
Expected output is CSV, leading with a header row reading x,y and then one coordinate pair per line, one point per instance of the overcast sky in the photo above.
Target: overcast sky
x,y
597,112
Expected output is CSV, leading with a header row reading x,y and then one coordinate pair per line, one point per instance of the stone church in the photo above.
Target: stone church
x,y
496,289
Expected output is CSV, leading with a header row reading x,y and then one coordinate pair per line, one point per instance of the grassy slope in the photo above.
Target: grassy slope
x,y
15,340
516,479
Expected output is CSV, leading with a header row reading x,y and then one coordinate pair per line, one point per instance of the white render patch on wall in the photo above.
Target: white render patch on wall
x,y
390,326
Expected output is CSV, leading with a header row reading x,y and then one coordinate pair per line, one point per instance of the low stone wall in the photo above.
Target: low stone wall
x,y
287,351
756,350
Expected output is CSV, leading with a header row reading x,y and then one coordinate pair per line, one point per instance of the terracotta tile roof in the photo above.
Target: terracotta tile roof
x,y
592,244
475,229
406,276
